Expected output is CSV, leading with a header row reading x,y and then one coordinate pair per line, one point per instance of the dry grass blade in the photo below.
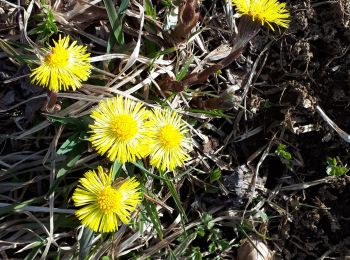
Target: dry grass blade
x,y
166,241
306,185
52,151
135,53
40,209
340,132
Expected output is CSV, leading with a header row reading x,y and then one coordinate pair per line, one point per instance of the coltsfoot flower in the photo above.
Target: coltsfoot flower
x,y
63,67
168,142
103,202
265,11
120,129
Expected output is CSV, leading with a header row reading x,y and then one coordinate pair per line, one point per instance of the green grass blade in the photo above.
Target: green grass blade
x,y
175,196
85,243
150,9
152,213
18,206
214,112
183,72
114,17
73,156
180,249
139,165
34,252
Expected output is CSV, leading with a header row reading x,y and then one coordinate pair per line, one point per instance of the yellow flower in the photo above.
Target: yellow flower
x,y
119,129
64,66
103,202
265,11
168,144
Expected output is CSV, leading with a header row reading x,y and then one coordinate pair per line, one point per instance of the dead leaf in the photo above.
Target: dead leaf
x,y
80,14
187,20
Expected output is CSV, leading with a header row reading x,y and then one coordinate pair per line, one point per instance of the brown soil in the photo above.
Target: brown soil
x,y
309,65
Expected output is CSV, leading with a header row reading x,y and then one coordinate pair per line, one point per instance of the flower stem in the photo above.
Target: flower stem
x,y
51,103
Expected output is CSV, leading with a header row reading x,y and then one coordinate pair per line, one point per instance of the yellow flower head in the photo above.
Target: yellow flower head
x,y
103,202
265,11
63,67
167,143
119,129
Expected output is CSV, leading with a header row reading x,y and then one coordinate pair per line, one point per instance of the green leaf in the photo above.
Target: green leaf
x,y
80,123
333,169
212,247
167,3
222,244
69,144
116,167
263,215
196,254
282,152
216,234
206,217
215,175
207,220
200,231
210,225
73,156
182,237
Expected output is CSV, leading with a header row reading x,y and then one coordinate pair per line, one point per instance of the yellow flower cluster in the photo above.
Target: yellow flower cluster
x,y
125,131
